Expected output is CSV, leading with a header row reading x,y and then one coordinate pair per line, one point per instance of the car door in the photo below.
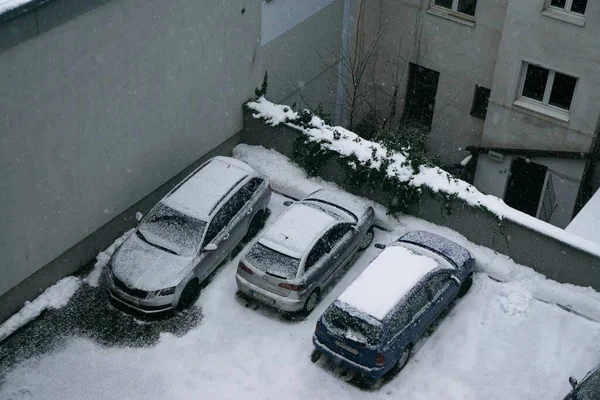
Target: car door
x,y
342,239
215,234
418,307
247,196
323,259
440,291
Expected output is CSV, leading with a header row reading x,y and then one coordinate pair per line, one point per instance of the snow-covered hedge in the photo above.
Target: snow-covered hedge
x,y
397,167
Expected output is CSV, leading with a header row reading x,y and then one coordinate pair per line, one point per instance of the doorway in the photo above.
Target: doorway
x,y
525,185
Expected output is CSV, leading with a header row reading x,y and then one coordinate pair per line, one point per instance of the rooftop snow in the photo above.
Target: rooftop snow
x,y
8,5
433,178
201,192
587,221
296,229
458,254
387,279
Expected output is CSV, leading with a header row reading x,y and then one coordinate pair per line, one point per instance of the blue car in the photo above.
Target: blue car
x,y
371,328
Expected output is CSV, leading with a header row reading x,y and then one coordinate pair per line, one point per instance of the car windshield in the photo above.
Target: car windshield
x,y
589,389
350,327
172,231
273,262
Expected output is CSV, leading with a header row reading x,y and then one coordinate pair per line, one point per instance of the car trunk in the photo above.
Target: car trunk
x,y
262,278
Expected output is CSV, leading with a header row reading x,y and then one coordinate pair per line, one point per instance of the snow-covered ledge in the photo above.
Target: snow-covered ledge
x,y
437,180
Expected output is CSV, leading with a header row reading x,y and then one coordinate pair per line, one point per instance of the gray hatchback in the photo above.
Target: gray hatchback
x,y
297,257
187,235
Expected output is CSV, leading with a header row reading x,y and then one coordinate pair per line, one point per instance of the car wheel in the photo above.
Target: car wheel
x,y
367,239
189,295
255,225
401,361
466,285
311,302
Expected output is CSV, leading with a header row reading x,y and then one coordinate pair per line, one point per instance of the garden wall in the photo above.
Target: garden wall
x,y
547,255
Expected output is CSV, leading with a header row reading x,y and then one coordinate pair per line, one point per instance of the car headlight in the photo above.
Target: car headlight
x,y
161,292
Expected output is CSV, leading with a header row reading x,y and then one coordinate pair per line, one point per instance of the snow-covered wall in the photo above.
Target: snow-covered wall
x,y
485,220
102,105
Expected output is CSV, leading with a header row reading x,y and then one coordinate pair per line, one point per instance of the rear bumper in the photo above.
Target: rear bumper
x,y
266,297
146,306
373,373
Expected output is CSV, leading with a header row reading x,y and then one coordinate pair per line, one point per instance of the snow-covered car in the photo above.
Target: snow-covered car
x,y
588,388
298,256
372,326
187,235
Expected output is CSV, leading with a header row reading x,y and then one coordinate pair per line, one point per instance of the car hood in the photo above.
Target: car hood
x,y
142,266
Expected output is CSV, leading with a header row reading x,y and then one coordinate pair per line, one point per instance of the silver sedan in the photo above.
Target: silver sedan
x,y
295,259
187,235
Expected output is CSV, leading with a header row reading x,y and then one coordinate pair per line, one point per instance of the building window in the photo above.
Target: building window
x,y
574,6
550,88
462,6
480,102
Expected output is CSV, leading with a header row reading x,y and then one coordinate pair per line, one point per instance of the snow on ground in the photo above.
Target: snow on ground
x,y
434,178
56,296
498,342
103,258
7,5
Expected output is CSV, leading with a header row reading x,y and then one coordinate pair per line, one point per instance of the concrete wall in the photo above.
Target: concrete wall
x,y
549,256
100,110
464,54
530,36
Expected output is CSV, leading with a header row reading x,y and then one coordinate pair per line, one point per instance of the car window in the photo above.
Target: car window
x,y
326,243
400,318
218,222
416,302
436,283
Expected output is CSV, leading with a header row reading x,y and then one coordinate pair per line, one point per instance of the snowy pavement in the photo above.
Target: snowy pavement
x,y
498,342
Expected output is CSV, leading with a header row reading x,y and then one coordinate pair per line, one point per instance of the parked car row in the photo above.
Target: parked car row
x,y
370,328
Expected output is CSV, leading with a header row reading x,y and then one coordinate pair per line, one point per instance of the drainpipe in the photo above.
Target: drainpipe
x,y
339,117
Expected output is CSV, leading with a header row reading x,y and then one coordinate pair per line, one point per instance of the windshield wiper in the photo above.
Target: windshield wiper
x,y
141,236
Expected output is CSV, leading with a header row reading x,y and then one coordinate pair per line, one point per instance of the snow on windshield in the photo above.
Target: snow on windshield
x,y
270,261
172,230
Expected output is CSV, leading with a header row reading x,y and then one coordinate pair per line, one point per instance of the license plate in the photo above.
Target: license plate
x,y
344,346
262,297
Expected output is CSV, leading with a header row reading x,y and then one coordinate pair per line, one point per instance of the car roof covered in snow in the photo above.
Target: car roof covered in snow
x,y
296,229
386,280
353,204
446,247
203,189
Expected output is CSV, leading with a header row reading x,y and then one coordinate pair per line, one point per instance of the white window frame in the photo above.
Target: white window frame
x,y
567,9
452,13
543,107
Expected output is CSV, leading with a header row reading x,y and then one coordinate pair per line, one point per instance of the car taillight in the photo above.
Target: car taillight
x,y
379,360
270,187
246,269
289,286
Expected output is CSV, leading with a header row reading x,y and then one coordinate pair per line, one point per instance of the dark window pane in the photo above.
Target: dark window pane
x,y
562,91
535,82
558,3
444,3
579,6
467,6
480,102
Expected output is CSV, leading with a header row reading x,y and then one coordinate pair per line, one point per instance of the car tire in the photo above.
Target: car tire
x,y
255,225
311,302
315,356
367,239
189,295
402,361
465,286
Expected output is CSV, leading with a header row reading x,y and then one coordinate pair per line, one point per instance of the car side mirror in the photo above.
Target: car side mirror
x,y
288,203
139,216
379,246
573,382
210,247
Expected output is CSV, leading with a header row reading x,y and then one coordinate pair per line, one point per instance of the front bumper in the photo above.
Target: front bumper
x,y
147,306
372,373
262,295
